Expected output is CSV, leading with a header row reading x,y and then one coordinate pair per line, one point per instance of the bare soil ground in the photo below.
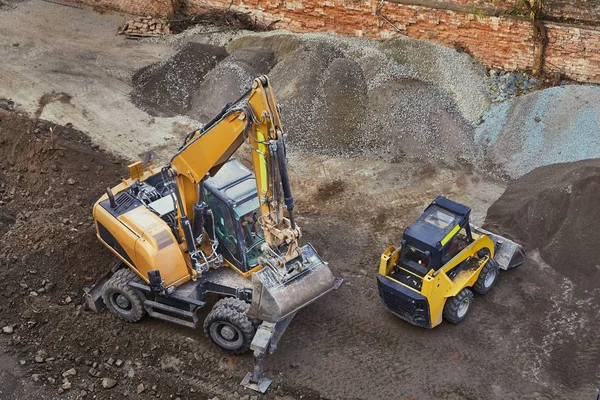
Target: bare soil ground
x,y
519,342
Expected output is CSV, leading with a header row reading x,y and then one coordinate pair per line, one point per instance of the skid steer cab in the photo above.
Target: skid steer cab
x,y
442,260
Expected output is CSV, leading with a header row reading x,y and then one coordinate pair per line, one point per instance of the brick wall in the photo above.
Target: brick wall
x,y
488,29
503,41
160,8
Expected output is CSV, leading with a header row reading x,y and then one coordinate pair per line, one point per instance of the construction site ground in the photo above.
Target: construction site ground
x,y
65,68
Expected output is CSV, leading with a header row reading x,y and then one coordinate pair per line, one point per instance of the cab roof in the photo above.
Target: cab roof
x,y
437,221
236,185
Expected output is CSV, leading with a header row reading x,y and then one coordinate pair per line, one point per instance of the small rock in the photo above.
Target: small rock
x,y
111,361
66,385
22,362
537,119
118,363
69,372
170,364
39,359
68,299
71,181
108,383
51,380
140,388
33,293
35,377
8,329
61,390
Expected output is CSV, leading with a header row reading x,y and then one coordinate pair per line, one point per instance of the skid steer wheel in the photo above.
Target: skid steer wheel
x,y
487,277
228,326
121,299
457,308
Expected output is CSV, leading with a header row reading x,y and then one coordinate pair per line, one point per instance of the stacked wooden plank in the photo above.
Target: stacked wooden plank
x,y
144,27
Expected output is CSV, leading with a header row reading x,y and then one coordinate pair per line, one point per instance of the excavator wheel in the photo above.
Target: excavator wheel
x,y
121,299
457,308
233,304
239,305
487,277
228,326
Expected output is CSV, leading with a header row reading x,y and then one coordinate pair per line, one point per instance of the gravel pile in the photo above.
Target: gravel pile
x,y
340,96
508,85
346,96
228,81
165,89
447,68
556,125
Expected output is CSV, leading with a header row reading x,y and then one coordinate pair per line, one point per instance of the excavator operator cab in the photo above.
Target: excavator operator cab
x,y
232,197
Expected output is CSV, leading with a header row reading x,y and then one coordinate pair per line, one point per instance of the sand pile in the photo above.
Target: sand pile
x,y
556,125
346,96
554,209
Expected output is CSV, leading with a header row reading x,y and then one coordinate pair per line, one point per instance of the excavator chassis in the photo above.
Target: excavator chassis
x,y
181,306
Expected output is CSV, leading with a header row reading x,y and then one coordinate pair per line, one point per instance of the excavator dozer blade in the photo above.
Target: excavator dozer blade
x,y
508,254
274,299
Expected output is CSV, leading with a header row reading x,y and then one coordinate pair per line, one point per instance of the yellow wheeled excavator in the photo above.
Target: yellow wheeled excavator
x,y
204,224
442,260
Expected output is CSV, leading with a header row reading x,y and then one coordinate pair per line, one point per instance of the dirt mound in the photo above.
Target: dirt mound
x,y
49,178
550,209
165,89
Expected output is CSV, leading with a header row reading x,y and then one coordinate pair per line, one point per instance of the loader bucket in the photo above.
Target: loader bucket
x,y
508,254
273,299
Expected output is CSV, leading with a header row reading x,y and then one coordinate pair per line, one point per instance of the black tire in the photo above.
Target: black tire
x,y
233,304
487,277
121,299
229,328
454,309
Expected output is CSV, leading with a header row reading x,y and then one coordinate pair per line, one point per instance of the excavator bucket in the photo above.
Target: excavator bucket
x,y
273,299
508,254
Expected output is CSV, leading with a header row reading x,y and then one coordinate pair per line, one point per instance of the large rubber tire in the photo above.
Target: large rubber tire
x,y
229,327
457,308
233,304
487,277
121,299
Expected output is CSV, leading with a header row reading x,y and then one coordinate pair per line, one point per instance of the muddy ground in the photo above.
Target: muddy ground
x,y
343,347
520,342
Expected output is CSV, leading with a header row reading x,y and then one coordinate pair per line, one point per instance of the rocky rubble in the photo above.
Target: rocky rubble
x,y
144,26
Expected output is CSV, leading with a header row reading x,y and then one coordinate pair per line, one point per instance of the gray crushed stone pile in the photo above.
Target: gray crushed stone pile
x,y
556,125
165,89
346,96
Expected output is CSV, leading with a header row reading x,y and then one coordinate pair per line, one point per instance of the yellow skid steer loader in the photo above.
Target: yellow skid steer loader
x,y
442,260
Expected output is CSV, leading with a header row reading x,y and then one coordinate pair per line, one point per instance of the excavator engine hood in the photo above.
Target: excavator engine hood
x,y
274,298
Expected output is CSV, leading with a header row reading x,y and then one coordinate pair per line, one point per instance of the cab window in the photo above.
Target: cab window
x,y
225,226
455,245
